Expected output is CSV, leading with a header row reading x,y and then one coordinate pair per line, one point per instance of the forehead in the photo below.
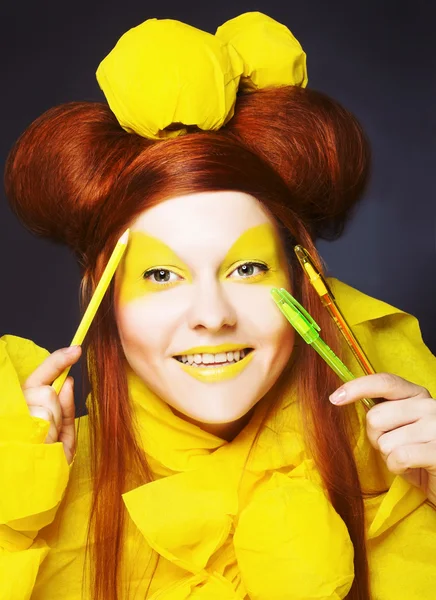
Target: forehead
x,y
202,220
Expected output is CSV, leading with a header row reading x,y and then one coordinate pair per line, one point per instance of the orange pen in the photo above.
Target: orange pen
x,y
328,300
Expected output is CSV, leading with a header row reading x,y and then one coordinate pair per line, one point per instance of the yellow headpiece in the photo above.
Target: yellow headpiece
x,y
165,72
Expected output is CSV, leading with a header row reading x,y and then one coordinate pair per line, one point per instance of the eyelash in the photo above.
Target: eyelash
x,y
148,274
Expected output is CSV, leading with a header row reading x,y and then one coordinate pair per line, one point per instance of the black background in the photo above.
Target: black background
x,y
377,58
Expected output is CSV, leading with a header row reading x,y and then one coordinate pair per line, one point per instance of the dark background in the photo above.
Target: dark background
x,y
377,58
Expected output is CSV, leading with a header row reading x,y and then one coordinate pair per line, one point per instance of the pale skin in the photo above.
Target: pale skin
x,y
402,429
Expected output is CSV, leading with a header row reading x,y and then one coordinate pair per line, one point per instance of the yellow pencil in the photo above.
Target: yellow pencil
x,y
95,301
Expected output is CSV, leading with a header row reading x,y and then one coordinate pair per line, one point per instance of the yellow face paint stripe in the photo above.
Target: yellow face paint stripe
x,y
143,253
260,243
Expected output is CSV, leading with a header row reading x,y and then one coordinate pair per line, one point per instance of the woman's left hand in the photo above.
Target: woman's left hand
x,y
403,429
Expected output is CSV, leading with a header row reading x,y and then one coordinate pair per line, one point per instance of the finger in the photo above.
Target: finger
x,y
45,397
397,413
42,412
414,456
379,385
66,402
422,431
67,434
53,366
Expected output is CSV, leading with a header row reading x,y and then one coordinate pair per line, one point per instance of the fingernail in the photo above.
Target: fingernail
x,y
71,349
338,397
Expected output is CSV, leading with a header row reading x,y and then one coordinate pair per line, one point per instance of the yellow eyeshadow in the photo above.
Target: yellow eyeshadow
x,y
258,244
143,253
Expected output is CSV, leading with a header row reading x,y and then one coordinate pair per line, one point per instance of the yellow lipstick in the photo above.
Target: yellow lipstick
x,y
219,372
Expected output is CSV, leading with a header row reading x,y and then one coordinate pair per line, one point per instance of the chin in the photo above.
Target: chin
x,y
215,415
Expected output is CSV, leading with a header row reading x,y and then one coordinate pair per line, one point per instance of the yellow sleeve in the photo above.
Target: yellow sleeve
x,y
33,475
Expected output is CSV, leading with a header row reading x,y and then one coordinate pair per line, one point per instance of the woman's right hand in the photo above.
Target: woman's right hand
x,y
43,402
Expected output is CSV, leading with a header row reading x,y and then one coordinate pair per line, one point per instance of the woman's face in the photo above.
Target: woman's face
x,y
196,319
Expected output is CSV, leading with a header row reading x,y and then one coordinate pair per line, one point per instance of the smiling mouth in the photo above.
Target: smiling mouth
x,y
211,361
228,366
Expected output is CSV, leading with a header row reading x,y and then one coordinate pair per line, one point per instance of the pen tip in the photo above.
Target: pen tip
x,y
125,237
301,253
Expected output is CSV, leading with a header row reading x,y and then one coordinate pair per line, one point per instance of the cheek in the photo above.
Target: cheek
x,y
144,328
278,337
262,320
285,340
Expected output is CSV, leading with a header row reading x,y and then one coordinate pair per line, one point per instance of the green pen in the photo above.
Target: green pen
x,y
309,330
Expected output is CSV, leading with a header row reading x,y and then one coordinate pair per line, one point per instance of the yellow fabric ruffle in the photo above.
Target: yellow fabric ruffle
x,y
225,528
189,531
165,73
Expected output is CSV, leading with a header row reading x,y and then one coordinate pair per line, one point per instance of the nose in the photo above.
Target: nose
x,y
211,308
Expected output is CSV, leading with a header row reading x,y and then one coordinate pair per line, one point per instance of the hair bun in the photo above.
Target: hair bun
x,y
317,147
62,169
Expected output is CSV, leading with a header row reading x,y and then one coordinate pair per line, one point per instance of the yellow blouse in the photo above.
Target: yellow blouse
x,y
269,535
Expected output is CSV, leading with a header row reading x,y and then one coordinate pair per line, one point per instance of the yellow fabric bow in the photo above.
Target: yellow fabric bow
x,y
165,72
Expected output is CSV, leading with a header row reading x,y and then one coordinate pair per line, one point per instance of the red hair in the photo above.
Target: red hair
x,y
77,177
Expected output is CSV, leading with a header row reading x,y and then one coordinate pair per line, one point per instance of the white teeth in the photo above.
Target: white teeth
x,y
210,359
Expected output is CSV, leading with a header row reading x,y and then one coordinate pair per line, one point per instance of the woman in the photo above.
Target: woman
x,y
236,481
